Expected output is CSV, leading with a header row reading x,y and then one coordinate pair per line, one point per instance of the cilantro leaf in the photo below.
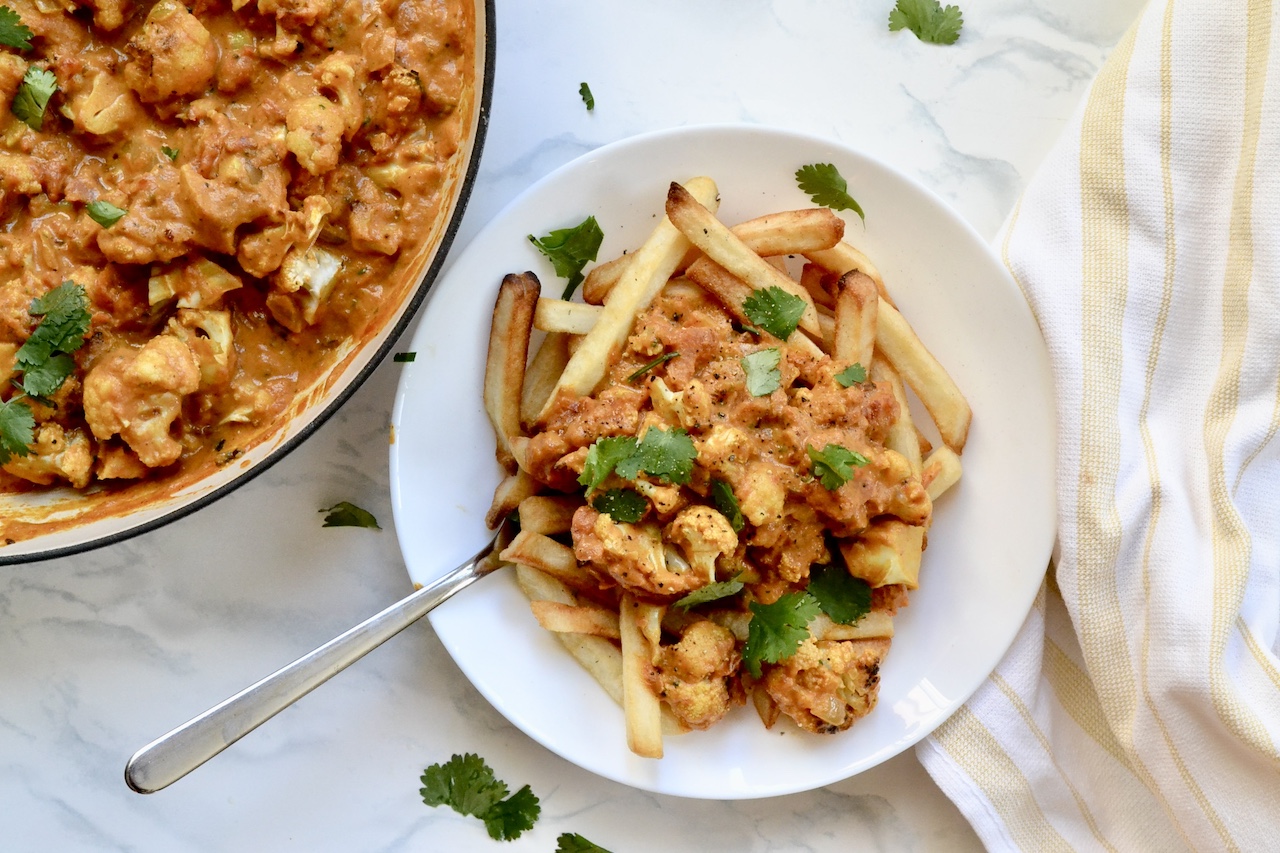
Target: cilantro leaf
x,y
834,465
464,783
928,20
64,323
508,819
775,311
17,429
852,375
622,505
171,153
572,842
347,514
105,213
841,596
711,592
763,375
662,359
826,186
14,33
404,357
571,249
587,98
727,502
777,630
602,457
667,455
38,86
44,379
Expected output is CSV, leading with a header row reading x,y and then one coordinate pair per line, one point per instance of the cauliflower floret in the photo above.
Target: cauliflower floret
x,y
173,54
106,107
761,494
692,674
200,284
703,534
107,14
262,253
315,127
827,684
208,335
632,555
313,273
18,174
56,454
718,451
137,394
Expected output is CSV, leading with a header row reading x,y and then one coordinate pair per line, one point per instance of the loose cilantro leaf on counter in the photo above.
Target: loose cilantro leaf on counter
x,y
928,20
763,375
17,429
777,630
826,186
667,455
587,98
775,311
171,153
841,596
467,785
711,592
105,213
834,465
571,249
508,819
572,842
852,375
347,514
404,357
727,502
662,359
14,33
622,505
602,457
38,86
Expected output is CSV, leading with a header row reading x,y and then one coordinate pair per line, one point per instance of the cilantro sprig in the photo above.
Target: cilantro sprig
x,y
775,311
467,785
625,506
45,362
776,630
347,514
727,503
662,359
711,592
665,454
928,19
572,842
841,596
14,33
587,98
827,187
571,249
763,374
833,465
852,375
104,213
38,86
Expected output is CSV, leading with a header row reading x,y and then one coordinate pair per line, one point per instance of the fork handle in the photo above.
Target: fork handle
x,y
172,756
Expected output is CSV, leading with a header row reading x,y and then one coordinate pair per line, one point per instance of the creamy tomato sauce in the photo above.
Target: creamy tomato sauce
x,y
281,165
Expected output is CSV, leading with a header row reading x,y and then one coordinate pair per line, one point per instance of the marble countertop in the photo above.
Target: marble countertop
x,y
102,652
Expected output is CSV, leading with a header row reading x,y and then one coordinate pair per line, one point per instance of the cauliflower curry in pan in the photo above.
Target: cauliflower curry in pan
x,y
205,206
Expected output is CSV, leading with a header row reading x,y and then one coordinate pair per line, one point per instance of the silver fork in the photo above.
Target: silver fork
x,y
173,755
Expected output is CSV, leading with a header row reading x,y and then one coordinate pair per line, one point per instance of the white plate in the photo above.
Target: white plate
x,y
991,536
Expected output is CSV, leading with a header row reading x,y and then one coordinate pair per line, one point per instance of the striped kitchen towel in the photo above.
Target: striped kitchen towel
x,y
1139,707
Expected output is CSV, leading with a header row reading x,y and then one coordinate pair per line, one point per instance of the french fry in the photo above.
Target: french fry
x,y
856,310
720,244
733,292
576,619
925,375
639,703
558,315
819,281
549,556
903,437
548,514
887,552
508,352
841,258
643,278
511,493
541,376
790,232
941,471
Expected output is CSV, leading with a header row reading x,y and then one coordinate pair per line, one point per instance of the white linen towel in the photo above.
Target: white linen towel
x,y
1139,707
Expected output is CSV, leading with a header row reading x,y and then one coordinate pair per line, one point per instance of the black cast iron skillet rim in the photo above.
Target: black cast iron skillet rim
x,y
411,309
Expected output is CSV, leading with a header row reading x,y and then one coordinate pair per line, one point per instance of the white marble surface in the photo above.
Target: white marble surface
x,y
101,652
